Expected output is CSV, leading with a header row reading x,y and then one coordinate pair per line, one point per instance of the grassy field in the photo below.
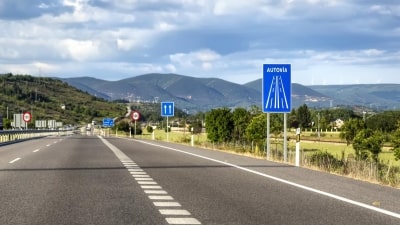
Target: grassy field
x,y
389,174
329,142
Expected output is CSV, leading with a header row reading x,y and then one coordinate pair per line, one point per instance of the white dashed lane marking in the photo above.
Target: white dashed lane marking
x,y
165,203
160,197
156,192
147,182
192,221
36,150
138,173
140,176
150,187
14,160
143,178
135,170
174,212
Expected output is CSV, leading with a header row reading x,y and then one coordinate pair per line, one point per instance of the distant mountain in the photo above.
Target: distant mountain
x,y
189,93
201,94
373,96
89,85
300,95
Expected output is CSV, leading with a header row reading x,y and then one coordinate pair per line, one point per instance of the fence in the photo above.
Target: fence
x,y
10,136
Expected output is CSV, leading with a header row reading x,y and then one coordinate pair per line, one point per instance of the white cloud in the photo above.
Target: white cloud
x,y
170,68
228,39
79,50
199,59
126,45
33,68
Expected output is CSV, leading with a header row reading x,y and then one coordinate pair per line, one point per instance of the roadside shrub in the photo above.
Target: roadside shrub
x,y
149,129
325,161
388,174
139,130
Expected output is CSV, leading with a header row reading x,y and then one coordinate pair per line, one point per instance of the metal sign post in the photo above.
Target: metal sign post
x,y
135,117
277,93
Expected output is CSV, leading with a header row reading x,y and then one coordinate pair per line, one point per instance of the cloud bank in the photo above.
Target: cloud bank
x,y
326,41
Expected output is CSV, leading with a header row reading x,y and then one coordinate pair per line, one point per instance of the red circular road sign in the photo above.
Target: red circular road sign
x,y
27,117
135,115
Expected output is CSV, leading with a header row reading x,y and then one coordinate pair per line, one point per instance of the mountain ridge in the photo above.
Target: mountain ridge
x,y
199,94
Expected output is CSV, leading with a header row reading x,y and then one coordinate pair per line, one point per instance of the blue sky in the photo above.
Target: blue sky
x,y
326,41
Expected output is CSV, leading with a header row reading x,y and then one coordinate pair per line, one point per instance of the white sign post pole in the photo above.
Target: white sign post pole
x,y
268,137
167,130
298,147
285,143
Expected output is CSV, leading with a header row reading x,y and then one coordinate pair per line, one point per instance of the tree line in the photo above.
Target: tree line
x,y
367,135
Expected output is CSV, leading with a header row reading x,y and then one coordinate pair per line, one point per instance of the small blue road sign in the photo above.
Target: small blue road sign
x,y
167,109
108,122
277,88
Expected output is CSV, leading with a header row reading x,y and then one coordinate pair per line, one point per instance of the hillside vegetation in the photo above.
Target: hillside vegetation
x,y
52,99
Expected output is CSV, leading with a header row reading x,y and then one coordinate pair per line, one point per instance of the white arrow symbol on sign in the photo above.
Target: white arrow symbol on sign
x,y
165,109
170,110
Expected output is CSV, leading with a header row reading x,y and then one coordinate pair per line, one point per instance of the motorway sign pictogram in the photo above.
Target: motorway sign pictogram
x,y
277,88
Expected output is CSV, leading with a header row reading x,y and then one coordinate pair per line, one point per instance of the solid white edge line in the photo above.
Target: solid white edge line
x,y
14,160
360,204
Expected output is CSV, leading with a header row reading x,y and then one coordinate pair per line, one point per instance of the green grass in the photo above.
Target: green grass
x,y
308,147
180,137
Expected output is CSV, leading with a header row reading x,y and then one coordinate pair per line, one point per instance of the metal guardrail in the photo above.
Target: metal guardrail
x,y
9,136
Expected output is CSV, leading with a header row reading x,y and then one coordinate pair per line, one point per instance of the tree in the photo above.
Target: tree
x,y
196,127
368,144
241,118
122,125
257,129
292,119
255,110
276,123
219,125
350,129
396,142
304,116
386,121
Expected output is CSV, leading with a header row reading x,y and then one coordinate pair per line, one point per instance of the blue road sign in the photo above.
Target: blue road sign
x,y
167,109
277,88
108,122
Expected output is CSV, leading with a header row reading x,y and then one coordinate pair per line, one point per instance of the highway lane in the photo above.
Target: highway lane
x,y
216,191
11,152
75,181
88,180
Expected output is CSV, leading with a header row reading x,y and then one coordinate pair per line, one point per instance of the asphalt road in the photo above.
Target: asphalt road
x,y
91,180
